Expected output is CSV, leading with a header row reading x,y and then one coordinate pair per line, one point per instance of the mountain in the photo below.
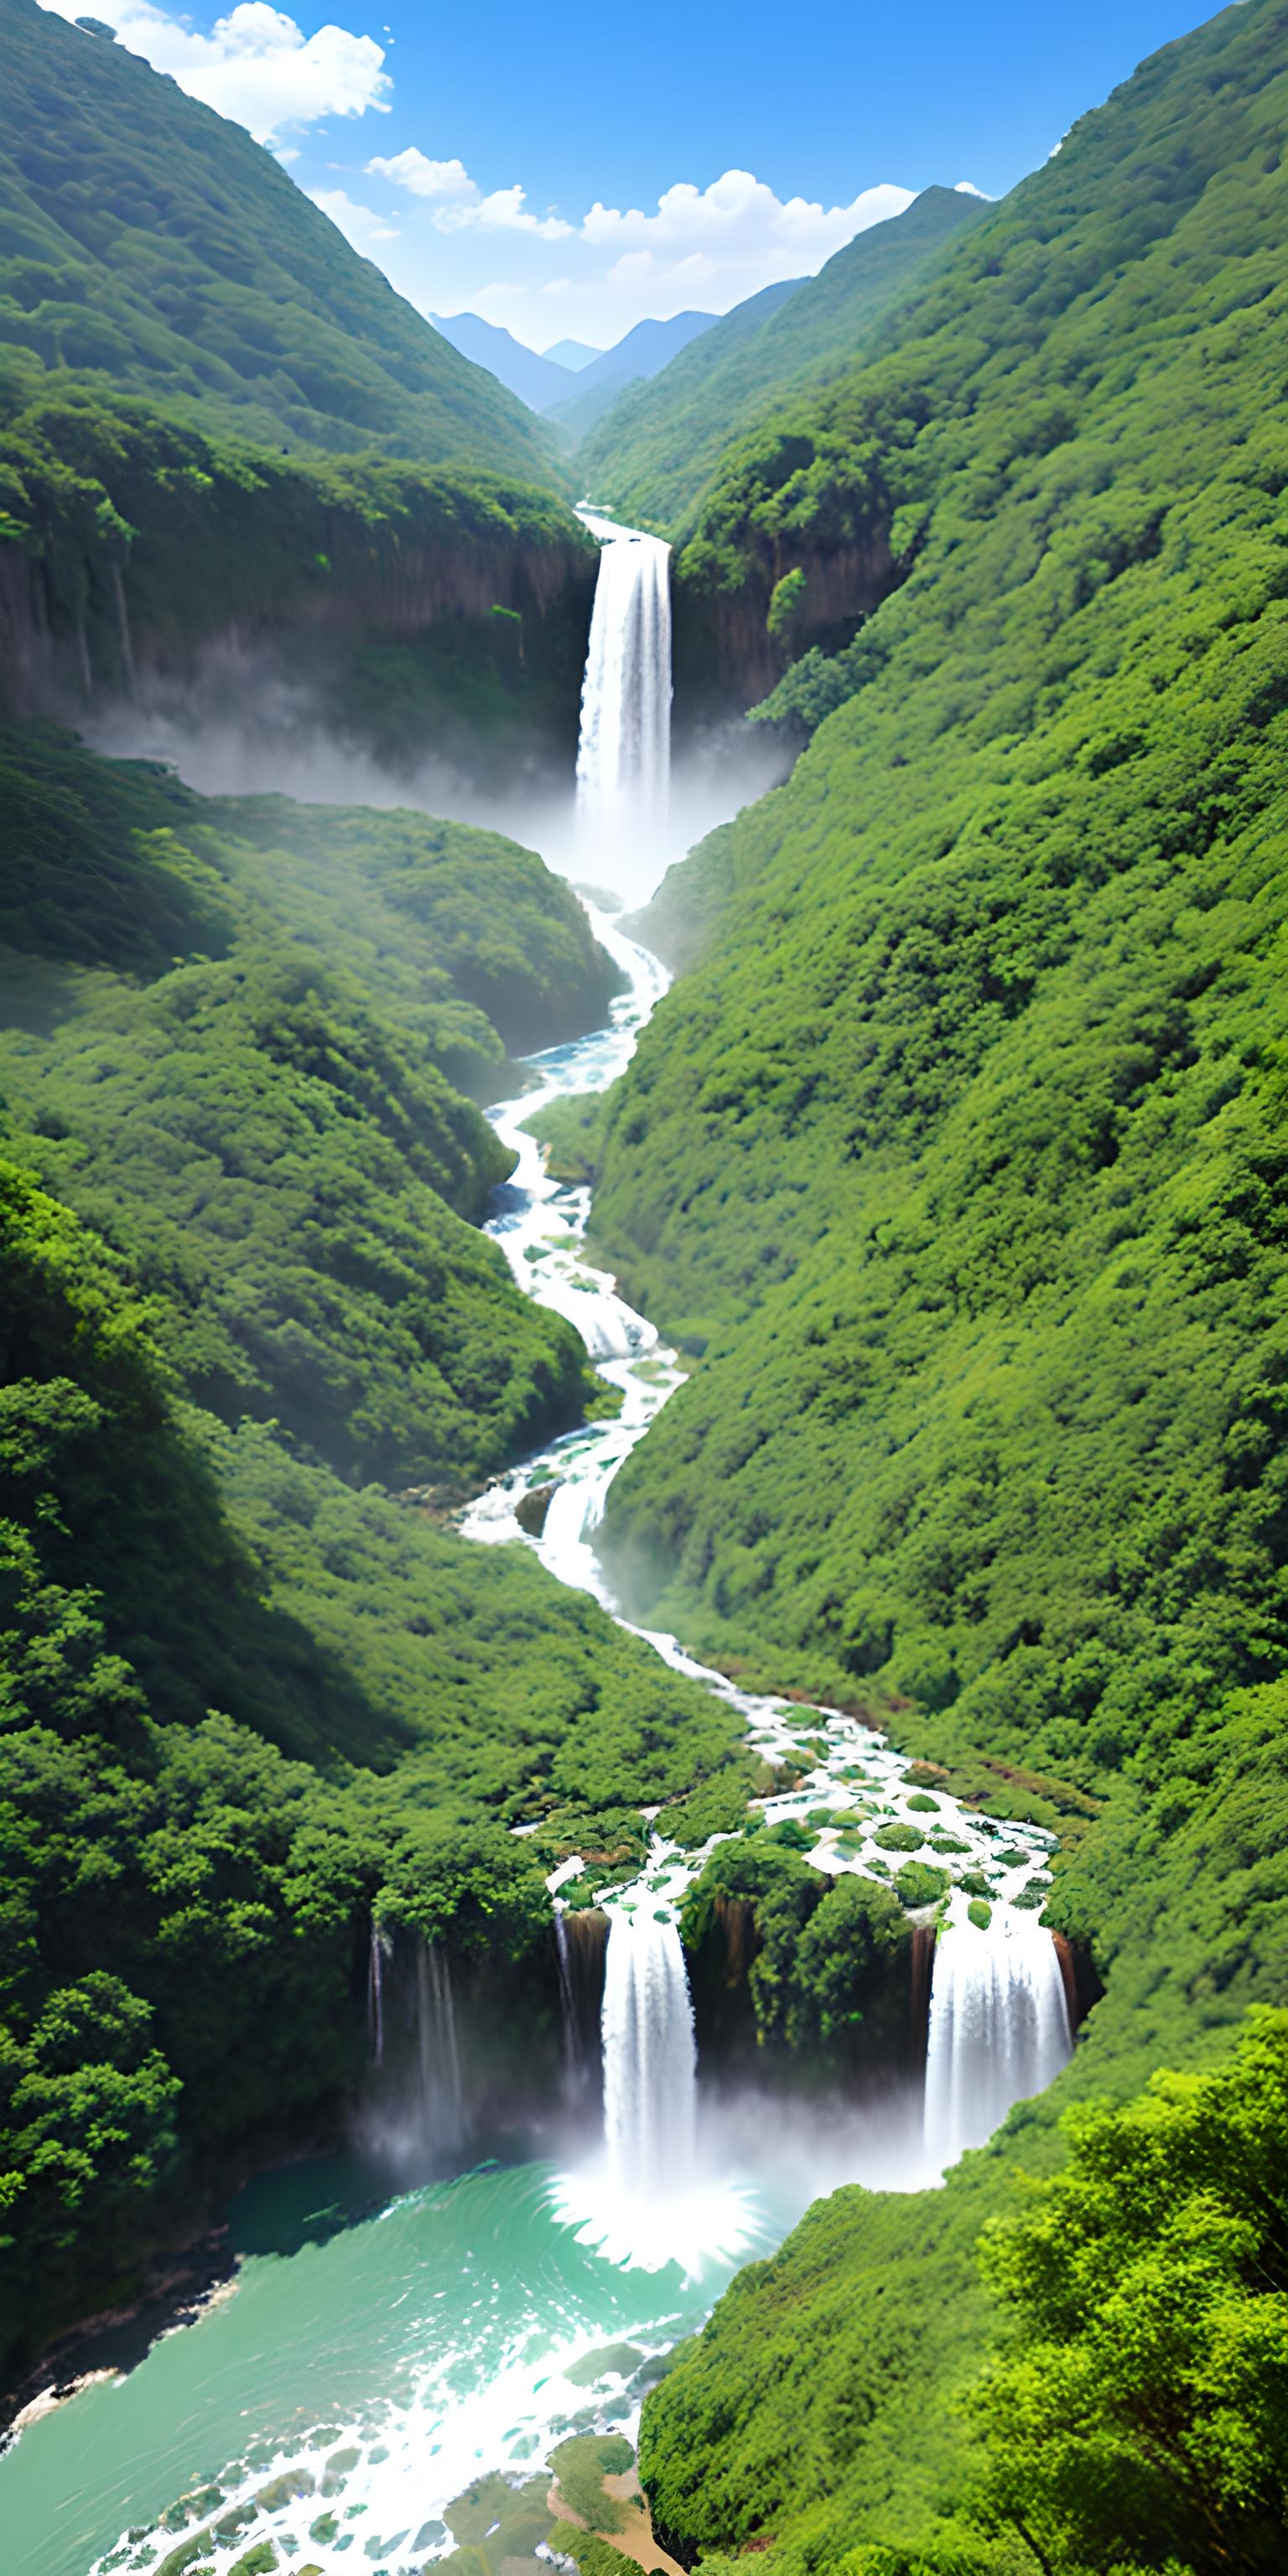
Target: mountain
x,y
538,382
646,349
149,244
652,456
956,1161
573,354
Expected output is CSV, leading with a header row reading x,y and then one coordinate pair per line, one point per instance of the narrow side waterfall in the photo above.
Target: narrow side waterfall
x,y
650,2060
999,2028
624,755
442,2098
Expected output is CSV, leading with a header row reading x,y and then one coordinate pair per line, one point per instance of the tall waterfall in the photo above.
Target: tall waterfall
x,y
999,2028
624,755
650,2059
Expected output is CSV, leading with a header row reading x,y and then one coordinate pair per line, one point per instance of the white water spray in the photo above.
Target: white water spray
x,y
650,2059
999,2028
624,756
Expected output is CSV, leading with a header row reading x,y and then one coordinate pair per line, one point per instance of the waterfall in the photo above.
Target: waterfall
x,y
376,1992
999,2028
650,2060
441,2097
624,755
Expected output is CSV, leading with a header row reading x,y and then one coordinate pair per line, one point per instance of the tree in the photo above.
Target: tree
x,y
1137,2415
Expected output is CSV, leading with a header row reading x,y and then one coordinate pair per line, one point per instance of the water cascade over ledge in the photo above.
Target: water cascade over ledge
x,y
650,2061
624,756
999,2028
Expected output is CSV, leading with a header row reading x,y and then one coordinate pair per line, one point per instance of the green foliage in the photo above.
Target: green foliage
x,y
997,1273
786,602
1137,2416
659,447
147,243
273,1140
902,1838
916,1884
581,2465
593,2556
828,1953
979,1217
980,1913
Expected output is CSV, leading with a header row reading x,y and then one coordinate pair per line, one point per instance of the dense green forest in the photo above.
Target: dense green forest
x,y
954,1162
653,455
152,247
957,1157
246,1696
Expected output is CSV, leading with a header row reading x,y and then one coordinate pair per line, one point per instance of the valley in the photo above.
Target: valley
x,y
642,1536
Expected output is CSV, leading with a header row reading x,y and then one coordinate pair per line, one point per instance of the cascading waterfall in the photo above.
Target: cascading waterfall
x,y
650,2059
999,2028
442,2098
624,755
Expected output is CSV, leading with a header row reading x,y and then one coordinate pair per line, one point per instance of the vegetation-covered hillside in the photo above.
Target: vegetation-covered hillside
x,y
243,1702
410,609
269,1126
654,453
959,1156
153,246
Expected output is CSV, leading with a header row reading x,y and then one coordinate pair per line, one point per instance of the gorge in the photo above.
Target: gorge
x,y
643,1385
624,2247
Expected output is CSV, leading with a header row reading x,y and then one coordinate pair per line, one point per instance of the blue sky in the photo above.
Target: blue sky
x,y
567,170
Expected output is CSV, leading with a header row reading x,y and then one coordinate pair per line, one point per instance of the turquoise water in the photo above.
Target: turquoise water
x,y
422,2344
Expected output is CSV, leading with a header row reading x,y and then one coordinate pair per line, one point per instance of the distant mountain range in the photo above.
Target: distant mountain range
x,y
574,354
572,382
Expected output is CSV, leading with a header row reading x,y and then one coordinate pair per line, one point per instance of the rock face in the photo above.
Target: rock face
x,y
497,632
726,660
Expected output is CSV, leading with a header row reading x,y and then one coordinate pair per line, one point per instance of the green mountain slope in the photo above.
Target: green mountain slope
x,y
242,1033
655,452
154,245
959,1153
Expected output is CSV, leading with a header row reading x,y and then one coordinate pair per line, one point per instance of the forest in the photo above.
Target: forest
x,y
955,1153
951,1167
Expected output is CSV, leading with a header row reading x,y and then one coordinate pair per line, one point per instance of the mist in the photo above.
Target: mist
x,y
246,725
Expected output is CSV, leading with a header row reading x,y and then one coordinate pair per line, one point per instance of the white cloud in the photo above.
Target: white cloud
x,y
967,188
424,178
256,65
359,224
700,246
736,223
459,203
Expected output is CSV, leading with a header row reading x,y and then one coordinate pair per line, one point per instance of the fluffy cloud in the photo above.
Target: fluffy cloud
x,y
256,65
358,223
705,246
734,225
459,203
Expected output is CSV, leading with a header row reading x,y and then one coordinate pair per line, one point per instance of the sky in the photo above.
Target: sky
x,y
568,170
